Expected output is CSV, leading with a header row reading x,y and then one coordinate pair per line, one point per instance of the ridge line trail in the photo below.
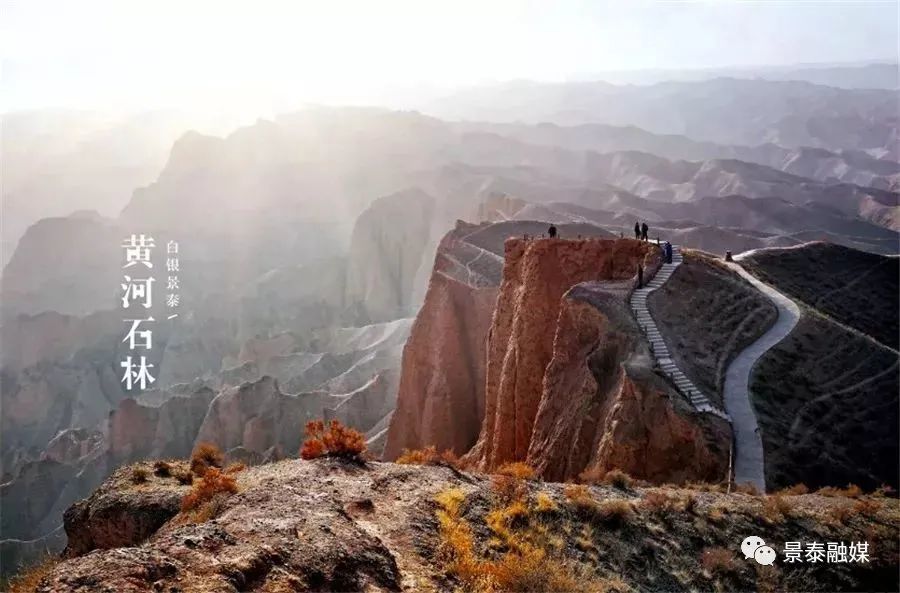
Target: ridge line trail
x,y
749,463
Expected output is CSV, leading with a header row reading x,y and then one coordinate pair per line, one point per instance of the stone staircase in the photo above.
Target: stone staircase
x,y
660,351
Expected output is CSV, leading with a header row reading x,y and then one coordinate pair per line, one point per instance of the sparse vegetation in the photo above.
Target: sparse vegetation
x,y
524,566
612,512
184,477
335,441
718,561
509,483
851,491
139,475
237,466
163,469
660,501
618,479
777,508
428,456
795,490
29,579
518,470
867,507
213,482
205,456
544,504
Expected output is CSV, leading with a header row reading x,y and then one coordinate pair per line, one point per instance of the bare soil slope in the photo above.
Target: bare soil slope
x,y
827,403
707,315
856,288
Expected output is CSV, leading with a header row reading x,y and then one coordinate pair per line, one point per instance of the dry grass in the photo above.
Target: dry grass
x,y
839,514
29,579
139,475
184,477
525,566
205,456
662,502
613,584
237,466
213,483
867,507
163,469
706,486
795,490
518,470
509,483
429,456
717,512
613,512
544,504
614,477
335,441
777,508
718,561
851,491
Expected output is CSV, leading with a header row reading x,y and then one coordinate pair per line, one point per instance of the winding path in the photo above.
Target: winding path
x,y
748,450
660,351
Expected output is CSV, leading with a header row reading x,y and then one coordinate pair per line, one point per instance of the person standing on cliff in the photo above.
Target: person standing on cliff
x,y
637,231
644,229
552,231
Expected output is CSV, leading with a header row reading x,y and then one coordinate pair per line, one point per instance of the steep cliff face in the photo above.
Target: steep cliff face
x,y
536,275
440,400
603,408
386,252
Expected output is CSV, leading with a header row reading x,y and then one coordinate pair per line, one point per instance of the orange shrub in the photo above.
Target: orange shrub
x,y
237,466
205,456
795,490
337,441
518,470
851,491
428,456
508,484
213,482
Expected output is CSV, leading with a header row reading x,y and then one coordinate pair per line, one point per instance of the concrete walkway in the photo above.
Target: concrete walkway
x,y
663,358
749,464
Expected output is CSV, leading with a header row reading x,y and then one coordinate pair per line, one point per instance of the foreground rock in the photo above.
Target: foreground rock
x,y
340,526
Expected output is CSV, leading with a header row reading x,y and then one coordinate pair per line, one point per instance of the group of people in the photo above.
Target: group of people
x,y
640,231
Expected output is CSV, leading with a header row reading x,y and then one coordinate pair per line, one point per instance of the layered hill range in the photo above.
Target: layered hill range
x,y
307,246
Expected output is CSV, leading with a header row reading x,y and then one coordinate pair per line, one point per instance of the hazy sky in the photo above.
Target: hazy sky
x,y
130,54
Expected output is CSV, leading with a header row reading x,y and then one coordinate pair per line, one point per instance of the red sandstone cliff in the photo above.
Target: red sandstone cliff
x,y
440,400
602,407
536,275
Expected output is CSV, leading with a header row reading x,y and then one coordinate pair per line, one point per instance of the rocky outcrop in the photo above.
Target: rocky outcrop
x,y
603,408
387,249
120,514
328,525
520,345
